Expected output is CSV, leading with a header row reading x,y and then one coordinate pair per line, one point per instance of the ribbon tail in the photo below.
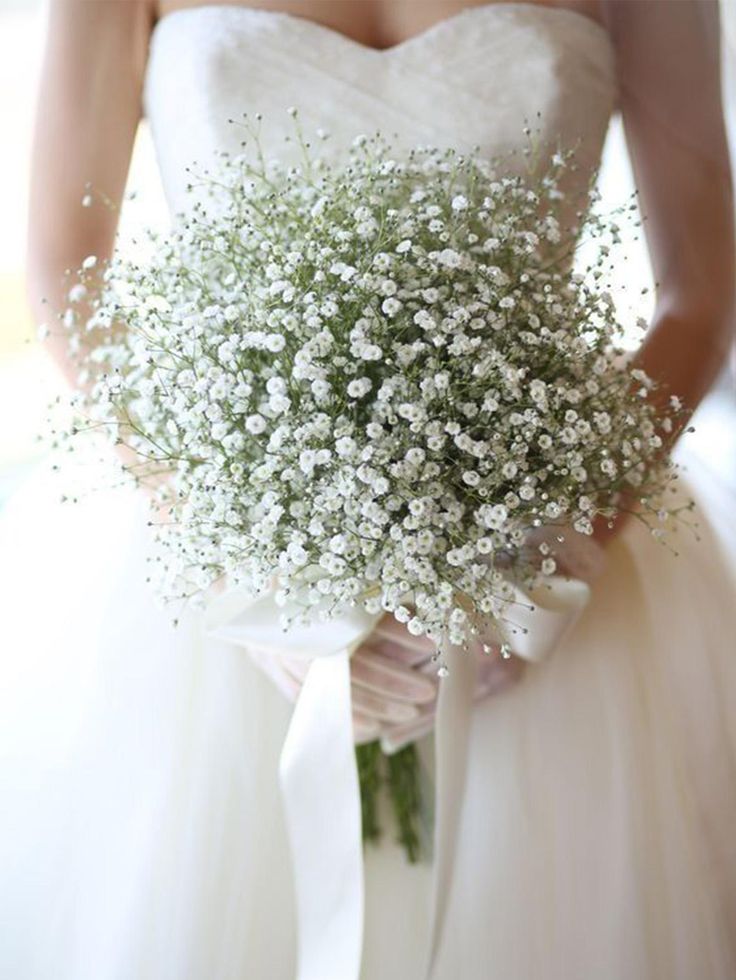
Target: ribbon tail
x,y
321,792
454,712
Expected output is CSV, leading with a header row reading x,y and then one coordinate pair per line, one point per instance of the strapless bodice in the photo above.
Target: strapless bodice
x,y
474,80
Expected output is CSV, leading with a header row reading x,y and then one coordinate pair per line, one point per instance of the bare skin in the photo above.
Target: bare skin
x,y
376,23
667,61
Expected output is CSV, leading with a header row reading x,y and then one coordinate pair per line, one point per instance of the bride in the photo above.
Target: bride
x,y
143,832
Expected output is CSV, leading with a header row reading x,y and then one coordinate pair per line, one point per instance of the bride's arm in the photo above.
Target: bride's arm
x,y
89,105
668,67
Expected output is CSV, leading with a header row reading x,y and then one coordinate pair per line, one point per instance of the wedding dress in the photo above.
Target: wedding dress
x,y
142,834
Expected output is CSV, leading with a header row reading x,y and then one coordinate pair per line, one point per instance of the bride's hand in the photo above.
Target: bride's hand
x,y
394,682
576,556
386,690
391,640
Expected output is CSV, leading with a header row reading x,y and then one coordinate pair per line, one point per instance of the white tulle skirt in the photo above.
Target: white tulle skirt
x,y
141,828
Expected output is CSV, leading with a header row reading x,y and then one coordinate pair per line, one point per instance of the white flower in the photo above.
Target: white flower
x,y
493,516
366,229
307,460
415,626
449,258
380,486
279,404
538,392
583,526
359,387
320,389
275,342
255,424
346,447
371,352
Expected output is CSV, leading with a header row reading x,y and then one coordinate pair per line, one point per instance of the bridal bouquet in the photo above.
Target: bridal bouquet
x,y
368,382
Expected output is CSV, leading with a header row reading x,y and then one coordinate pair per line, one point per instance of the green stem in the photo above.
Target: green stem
x,y
369,773
400,773
403,782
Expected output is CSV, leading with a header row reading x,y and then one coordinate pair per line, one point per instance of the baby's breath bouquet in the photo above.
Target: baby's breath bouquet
x,y
367,382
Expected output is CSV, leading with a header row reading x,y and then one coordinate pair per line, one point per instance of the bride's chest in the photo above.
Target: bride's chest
x,y
479,79
382,24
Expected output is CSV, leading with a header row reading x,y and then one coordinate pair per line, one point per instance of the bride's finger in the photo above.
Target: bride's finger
x,y
494,677
389,688
389,628
384,677
408,656
365,729
397,737
380,708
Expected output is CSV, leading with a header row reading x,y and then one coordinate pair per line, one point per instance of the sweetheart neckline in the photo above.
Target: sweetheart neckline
x,y
447,23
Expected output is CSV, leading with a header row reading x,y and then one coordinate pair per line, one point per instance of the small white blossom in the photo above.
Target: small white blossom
x,y
449,258
255,424
359,387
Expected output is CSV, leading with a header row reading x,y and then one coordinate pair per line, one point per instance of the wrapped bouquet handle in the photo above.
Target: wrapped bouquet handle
x,y
318,775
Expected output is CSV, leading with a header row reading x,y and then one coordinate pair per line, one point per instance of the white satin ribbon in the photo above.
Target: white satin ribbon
x,y
318,774
537,620
319,782
452,730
